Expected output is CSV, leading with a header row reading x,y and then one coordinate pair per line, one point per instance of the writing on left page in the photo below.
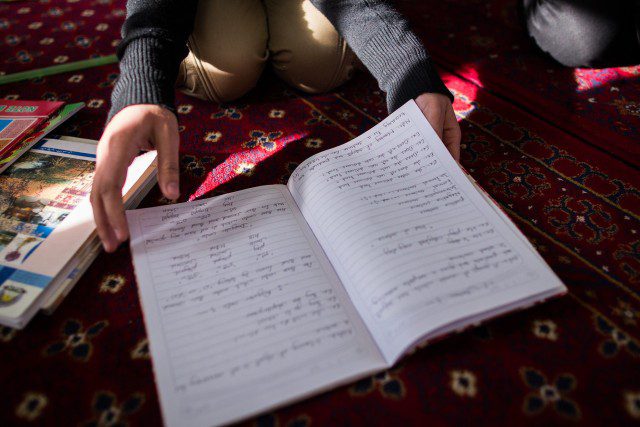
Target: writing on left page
x,y
242,309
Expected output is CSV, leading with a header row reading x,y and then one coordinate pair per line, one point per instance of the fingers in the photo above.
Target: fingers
x,y
114,208
106,194
116,151
167,143
438,111
452,134
435,116
106,232
135,128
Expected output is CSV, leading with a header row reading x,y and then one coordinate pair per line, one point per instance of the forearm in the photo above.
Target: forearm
x,y
154,38
385,44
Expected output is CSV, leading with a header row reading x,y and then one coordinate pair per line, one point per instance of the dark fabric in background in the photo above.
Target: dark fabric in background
x,y
586,33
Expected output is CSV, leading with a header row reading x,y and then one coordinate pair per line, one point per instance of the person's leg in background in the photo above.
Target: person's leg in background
x,y
586,33
306,50
228,50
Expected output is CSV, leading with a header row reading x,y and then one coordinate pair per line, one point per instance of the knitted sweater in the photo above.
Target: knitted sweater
x,y
155,35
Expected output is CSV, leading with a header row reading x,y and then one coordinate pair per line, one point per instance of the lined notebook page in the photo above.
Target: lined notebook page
x,y
242,309
414,243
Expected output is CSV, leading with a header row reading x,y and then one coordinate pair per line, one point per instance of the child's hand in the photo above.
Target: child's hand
x,y
134,128
439,112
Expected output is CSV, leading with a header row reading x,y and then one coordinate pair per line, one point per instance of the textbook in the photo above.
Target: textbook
x,y
141,177
22,145
264,296
18,119
47,232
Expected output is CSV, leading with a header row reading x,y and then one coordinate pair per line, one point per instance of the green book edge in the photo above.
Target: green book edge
x,y
58,69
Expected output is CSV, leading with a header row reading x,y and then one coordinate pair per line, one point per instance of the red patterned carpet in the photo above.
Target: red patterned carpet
x,y
556,148
487,44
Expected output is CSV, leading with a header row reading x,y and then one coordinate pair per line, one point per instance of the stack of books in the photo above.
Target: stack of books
x,y
24,123
48,236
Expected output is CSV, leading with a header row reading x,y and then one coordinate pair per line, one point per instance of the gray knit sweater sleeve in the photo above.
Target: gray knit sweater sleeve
x,y
380,36
156,31
154,42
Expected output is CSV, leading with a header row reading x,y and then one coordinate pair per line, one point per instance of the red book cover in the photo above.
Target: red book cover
x,y
19,118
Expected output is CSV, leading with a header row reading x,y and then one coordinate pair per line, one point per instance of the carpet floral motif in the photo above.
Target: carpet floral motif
x,y
550,394
76,340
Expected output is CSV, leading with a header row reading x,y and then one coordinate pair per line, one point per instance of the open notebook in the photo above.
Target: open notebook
x,y
264,296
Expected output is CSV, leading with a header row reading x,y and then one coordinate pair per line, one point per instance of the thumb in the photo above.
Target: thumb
x,y
452,135
167,143
435,117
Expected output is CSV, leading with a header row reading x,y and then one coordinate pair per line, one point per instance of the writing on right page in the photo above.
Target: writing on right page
x,y
413,242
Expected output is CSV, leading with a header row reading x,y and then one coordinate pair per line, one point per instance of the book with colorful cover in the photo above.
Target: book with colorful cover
x,y
20,147
132,196
18,119
46,221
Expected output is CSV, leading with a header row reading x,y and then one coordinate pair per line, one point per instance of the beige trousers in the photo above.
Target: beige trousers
x,y
232,41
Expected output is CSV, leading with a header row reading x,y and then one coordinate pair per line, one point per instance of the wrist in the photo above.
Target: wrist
x,y
148,70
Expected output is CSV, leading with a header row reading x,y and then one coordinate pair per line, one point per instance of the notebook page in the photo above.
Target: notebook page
x,y
242,309
414,243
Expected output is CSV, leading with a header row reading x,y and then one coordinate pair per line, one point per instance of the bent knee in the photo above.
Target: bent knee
x,y
313,72
306,50
219,81
227,50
